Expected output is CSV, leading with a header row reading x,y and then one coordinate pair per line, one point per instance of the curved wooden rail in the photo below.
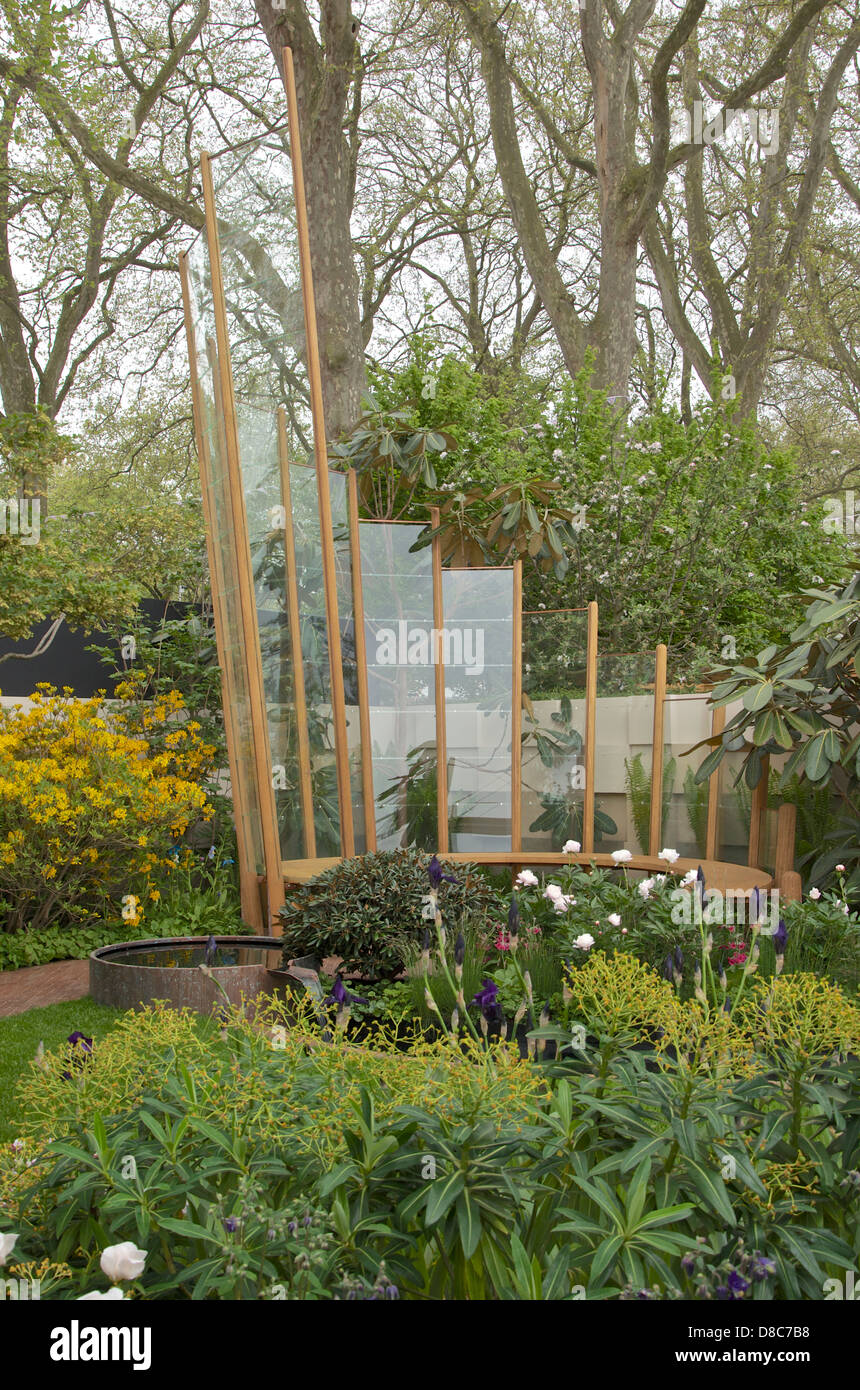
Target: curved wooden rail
x,y
737,878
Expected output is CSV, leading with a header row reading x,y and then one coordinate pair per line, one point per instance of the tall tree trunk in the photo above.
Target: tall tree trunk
x,y
326,69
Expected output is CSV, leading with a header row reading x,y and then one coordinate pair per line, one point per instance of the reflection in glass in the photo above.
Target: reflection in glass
x,y
478,607
398,622
686,721
624,729
554,670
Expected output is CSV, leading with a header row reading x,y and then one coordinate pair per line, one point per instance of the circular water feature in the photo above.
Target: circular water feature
x,y
133,974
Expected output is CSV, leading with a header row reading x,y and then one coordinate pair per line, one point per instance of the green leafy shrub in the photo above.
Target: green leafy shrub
x,y
368,910
330,1171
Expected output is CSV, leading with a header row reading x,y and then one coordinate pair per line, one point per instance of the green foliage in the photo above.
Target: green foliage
x,y
368,910
58,568
638,783
606,1173
802,699
659,550
696,803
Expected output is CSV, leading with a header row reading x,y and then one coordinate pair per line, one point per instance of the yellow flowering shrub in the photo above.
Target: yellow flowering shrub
x,y
90,800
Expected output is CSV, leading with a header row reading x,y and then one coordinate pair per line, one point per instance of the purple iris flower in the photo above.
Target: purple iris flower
x,y
738,1285
679,959
341,996
513,916
460,949
81,1048
487,1000
435,874
231,1224
780,937
700,886
668,971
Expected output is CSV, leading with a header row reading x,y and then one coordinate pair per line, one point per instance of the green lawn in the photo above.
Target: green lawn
x,y
21,1035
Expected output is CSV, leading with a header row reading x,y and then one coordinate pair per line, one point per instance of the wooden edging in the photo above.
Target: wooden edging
x,y
738,877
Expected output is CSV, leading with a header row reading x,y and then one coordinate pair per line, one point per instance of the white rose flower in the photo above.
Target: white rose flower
x,y
111,1293
526,879
645,887
815,894
689,877
7,1245
572,847
553,892
123,1261
621,856
561,904
584,942
670,855
614,919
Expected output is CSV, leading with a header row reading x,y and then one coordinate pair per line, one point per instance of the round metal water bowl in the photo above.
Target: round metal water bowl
x,y
133,974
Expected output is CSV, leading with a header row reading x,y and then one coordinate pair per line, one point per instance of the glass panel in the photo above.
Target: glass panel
x,y
317,673
238,713
257,232
554,671
398,619
265,323
686,721
478,607
624,729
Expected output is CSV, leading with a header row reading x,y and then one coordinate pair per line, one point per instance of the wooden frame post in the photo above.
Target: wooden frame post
x,y
517,711
338,702
590,729
718,723
249,895
367,796
758,809
656,821
250,630
439,674
306,798
786,828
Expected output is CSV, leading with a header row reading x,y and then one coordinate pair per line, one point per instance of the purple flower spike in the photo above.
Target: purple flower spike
x,y
780,937
435,874
513,917
487,1000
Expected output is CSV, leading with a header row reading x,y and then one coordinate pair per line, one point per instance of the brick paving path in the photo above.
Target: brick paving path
x,y
38,985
